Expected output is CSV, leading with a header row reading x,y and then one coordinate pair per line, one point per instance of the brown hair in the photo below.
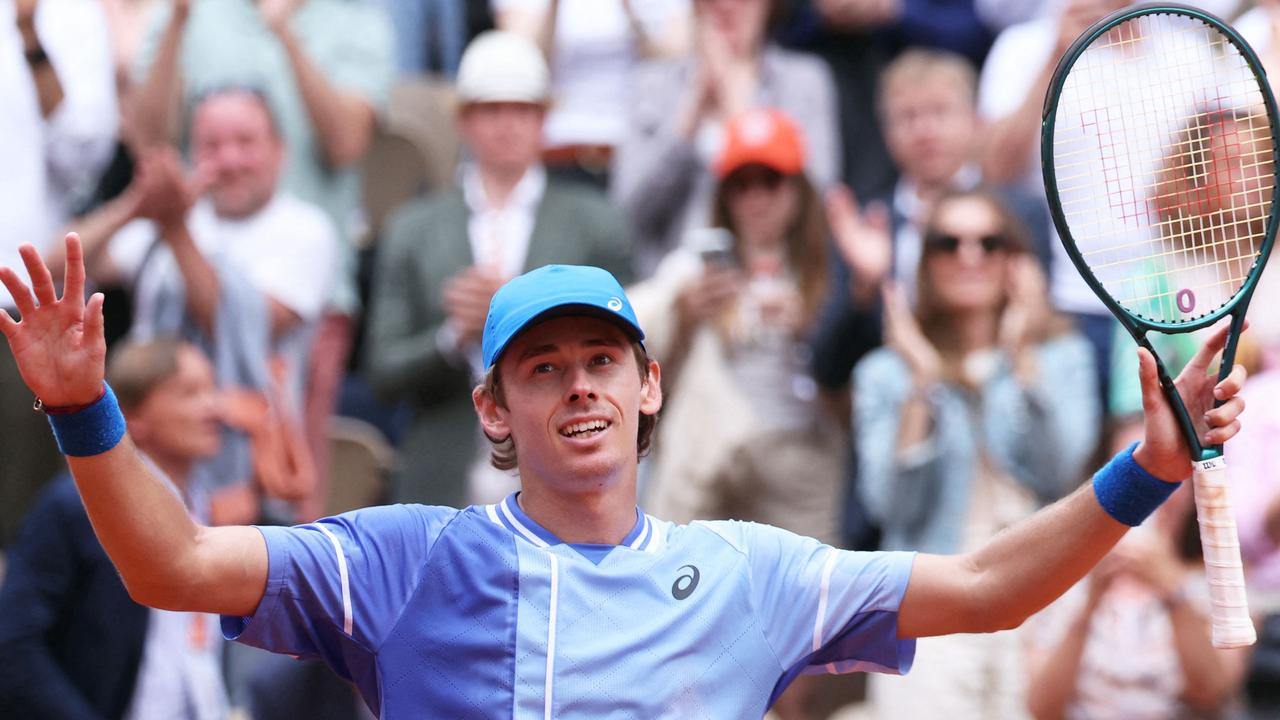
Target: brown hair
x,y
934,318
136,368
917,65
806,242
502,453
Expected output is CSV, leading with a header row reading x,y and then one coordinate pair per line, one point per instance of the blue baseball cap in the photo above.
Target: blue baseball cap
x,y
550,291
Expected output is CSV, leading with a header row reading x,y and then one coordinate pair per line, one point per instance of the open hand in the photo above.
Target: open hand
x,y
902,333
164,193
58,345
1027,308
706,296
1163,450
862,238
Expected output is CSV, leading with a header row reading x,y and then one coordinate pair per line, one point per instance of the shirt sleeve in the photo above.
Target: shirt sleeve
x,y
826,610
336,587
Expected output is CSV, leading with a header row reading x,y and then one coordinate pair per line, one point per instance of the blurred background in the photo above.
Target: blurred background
x,y
830,218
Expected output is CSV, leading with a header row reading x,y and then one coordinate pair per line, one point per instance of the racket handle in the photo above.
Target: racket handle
x,y
1232,626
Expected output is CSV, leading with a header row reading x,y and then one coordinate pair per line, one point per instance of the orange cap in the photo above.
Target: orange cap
x,y
765,136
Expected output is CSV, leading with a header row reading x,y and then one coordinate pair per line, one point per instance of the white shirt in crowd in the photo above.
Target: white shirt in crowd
x,y
288,250
594,52
499,236
46,159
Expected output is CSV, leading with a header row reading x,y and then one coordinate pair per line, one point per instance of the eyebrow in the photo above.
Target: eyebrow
x,y
548,348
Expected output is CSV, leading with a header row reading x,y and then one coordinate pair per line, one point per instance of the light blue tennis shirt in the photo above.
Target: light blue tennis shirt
x,y
482,613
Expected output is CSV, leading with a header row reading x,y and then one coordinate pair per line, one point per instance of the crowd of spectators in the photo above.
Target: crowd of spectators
x,y
830,219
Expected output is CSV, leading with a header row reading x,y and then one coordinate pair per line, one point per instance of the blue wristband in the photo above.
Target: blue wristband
x,y
1128,492
92,430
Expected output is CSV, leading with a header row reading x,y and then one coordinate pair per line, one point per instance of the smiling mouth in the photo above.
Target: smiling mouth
x,y
585,429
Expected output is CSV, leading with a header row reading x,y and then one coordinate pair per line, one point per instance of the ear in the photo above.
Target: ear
x,y
651,390
490,413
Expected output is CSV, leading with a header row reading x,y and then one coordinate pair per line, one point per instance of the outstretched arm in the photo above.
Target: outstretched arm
x,y
1025,567
344,121
165,559
159,99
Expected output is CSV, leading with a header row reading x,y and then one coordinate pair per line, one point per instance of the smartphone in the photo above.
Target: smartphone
x,y
714,245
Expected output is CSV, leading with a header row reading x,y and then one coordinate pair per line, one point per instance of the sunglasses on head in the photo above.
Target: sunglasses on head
x,y
948,243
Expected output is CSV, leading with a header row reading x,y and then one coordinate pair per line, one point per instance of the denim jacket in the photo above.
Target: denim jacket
x,y
1040,436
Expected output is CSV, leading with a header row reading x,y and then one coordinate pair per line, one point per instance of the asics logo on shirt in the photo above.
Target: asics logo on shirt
x,y
685,584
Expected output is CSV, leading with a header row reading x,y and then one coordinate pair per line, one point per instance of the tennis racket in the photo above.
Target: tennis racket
x,y
1159,148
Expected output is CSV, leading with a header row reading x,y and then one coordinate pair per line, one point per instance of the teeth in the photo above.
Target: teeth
x,y
584,427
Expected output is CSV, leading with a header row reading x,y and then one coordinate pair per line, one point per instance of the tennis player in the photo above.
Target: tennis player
x,y
565,600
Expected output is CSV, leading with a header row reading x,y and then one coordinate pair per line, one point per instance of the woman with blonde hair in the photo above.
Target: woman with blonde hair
x,y
981,407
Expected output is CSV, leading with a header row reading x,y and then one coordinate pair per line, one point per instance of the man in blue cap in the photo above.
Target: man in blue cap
x,y
565,600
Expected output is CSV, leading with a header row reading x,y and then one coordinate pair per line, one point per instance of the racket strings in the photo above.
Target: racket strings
x,y
1163,164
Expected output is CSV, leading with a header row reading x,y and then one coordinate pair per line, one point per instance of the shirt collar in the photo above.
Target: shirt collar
x,y
508,513
906,194
525,196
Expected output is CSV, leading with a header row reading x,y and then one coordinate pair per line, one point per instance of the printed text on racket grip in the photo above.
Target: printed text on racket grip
x,y
1232,626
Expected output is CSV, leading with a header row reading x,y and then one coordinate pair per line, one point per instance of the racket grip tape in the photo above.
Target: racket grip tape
x,y
1232,626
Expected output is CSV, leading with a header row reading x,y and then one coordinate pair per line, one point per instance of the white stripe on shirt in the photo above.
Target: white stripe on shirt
x,y
551,636
638,543
827,567
342,575
526,532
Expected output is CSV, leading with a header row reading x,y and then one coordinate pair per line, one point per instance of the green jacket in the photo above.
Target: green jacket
x,y
426,243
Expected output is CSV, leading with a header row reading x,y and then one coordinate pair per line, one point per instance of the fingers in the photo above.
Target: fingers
x,y
198,183
1230,386
1149,377
73,273
41,280
877,215
841,203
1225,413
93,320
22,297
1209,350
7,324
1221,435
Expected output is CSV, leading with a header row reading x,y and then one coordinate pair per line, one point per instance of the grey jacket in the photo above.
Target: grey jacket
x,y
1042,437
666,184
426,243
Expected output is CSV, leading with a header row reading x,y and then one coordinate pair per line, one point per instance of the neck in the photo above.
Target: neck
x,y
928,191
499,183
973,331
598,518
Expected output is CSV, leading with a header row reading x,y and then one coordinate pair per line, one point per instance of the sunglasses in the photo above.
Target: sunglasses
x,y
948,243
754,176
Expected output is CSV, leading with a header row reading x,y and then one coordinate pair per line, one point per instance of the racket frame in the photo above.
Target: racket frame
x,y
1135,325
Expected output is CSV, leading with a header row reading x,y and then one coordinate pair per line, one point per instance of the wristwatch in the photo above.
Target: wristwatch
x,y
37,56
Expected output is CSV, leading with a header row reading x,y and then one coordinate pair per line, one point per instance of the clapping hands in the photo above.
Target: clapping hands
x,y
863,240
